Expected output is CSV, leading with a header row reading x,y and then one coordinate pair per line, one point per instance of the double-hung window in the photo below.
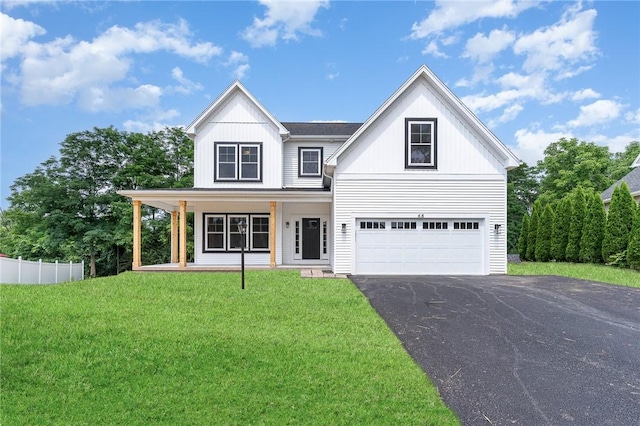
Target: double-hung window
x,y
421,143
238,161
310,162
214,235
235,237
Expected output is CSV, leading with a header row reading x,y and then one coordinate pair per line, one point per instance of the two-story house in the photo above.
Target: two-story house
x,y
418,188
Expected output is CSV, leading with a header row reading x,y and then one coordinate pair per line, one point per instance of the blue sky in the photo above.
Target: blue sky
x,y
533,71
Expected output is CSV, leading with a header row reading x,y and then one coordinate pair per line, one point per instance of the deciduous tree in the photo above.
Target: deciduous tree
x,y
524,236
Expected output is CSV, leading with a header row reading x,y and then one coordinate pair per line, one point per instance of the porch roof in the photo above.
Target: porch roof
x,y
169,199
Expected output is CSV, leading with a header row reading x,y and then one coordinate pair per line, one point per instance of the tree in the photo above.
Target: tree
x,y
578,211
633,249
543,237
533,230
621,161
68,208
522,239
593,230
568,163
619,221
560,231
522,190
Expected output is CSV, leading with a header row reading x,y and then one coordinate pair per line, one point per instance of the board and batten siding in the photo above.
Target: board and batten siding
x,y
291,162
293,211
233,258
381,148
468,197
238,120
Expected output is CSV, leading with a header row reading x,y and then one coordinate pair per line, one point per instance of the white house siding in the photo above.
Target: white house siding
x,y
291,178
468,197
238,120
381,148
293,211
233,258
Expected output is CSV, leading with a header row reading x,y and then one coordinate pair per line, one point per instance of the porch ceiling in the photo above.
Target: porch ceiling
x,y
169,199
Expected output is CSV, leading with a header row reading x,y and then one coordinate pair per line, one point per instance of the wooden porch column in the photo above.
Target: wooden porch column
x,y
272,234
174,237
137,233
183,234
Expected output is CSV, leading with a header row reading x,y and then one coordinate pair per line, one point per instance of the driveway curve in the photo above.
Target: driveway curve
x,y
507,350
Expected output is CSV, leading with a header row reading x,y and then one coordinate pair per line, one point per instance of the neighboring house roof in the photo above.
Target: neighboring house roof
x,y
454,102
235,86
632,179
321,129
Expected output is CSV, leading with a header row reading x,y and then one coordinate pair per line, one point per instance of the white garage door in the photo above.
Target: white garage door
x,y
423,246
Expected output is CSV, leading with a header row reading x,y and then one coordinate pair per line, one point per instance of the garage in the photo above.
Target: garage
x,y
420,246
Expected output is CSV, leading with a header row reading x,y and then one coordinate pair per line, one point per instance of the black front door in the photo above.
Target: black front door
x,y
311,238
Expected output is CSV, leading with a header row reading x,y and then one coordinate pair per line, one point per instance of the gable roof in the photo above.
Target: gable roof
x,y
632,179
229,91
321,128
450,98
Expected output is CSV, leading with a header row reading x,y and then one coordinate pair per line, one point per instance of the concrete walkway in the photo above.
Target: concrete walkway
x,y
320,273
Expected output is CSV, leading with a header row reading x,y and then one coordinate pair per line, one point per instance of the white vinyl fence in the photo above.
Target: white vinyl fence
x,y
18,271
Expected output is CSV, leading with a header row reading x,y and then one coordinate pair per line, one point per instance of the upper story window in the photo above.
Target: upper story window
x,y
309,162
238,161
421,143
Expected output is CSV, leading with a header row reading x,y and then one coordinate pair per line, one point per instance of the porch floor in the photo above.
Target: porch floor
x,y
306,271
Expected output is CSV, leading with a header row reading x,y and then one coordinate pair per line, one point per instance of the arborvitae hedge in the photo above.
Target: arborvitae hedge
x,y
543,238
560,232
593,230
522,239
533,231
619,220
579,208
633,250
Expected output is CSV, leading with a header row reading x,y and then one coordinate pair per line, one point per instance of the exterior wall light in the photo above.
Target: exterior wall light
x,y
344,228
496,228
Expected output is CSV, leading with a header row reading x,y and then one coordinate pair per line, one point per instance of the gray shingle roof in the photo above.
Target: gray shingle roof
x,y
633,181
321,129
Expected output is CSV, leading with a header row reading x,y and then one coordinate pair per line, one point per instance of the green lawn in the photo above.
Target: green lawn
x,y
192,348
601,273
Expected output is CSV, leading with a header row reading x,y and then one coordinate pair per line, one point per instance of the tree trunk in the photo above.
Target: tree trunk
x,y
92,265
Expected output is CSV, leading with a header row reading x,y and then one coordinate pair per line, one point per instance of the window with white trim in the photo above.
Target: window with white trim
x,y
238,161
309,162
221,232
421,143
259,232
234,237
214,235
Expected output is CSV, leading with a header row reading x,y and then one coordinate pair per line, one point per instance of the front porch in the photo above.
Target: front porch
x,y
287,229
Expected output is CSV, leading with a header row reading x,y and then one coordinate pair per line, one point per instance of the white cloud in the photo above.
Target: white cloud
x,y
633,116
481,73
332,76
432,49
530,144
597,113
509,114
96,99
285,20
451,14
14,35
185,86
240,64
564,44
63,70
581,95
152,122
482,49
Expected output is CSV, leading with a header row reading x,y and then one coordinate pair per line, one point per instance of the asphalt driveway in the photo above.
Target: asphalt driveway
x,y
507,350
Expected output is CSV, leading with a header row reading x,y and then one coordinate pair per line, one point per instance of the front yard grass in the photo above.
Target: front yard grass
x,y
586,271
192,348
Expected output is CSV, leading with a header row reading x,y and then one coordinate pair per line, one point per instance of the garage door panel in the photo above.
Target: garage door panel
x,y
456,248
